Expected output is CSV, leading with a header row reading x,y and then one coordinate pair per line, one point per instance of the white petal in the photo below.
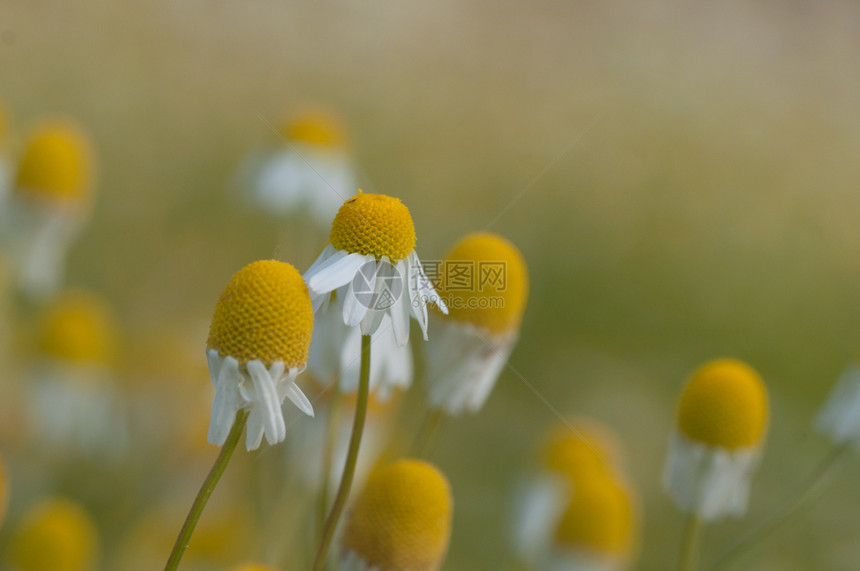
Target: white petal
x,y
267,402
299,399
335,272
327,252
353,310
254,430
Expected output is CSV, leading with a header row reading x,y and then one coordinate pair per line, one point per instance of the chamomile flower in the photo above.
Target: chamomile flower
x,y
401,521
839,418
258,343
572,453
310,171
372,266
715,449
56,534
336,354
49,203
74,399
484,281
596,530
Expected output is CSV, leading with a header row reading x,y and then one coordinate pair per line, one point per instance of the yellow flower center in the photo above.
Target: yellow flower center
x,y
57,164
578,454
724,404
599,518
374,224
484,281
317,127
79,328
56,535
264,314
402,519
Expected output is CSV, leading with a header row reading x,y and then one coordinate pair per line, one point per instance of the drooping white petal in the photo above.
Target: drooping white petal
x,y
336,271
298,398
353,308
463,364
268,405
710,481
326,253
226,377
255,388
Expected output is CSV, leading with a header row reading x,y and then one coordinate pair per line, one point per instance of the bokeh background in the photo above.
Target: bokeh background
x,y
681,178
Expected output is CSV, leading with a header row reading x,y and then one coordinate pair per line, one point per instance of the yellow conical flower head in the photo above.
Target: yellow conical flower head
x,y
317,127
57,164
402,519
374,224
264,314
599,518
724,404
254,567
79,328
578,454
484,281
57,535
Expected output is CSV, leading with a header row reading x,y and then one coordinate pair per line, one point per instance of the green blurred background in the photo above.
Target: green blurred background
x,y
681,178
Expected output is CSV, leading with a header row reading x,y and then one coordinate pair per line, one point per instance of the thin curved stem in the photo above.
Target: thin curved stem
x,y
206,490
690,543
782,515
351,456
425,439
328,453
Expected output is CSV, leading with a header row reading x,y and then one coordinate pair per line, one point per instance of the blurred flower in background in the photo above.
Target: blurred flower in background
x,y
401,520
309,171
577,510
306,441
75,402
483,280
336,354
839,418
714,452
55,534
50,201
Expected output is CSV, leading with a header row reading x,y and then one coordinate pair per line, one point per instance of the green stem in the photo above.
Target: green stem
x,y
425,439
328,453
782,515
351,456
206,490
690,543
